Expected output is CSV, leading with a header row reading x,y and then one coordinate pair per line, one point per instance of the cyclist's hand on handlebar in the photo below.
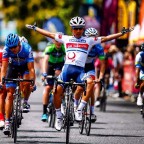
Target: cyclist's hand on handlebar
x,y
33,88
44,75
33,27
137,85
124,30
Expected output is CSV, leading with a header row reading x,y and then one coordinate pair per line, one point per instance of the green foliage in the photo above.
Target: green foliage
x,y
30,11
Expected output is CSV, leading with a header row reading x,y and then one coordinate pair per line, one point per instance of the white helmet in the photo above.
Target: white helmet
x,y
23,39
91,32
77,21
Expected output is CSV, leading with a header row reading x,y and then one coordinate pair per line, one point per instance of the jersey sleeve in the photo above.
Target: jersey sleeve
x,y
100,52
5,55
60,38
95,40
30,55
48,49
138,60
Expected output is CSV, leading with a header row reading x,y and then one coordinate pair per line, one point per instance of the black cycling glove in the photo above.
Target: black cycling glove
x,y
124,30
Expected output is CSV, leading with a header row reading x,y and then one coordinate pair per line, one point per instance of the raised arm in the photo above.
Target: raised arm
x,y
117,35
41,31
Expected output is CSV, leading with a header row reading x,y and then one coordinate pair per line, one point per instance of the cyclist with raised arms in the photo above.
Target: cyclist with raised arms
x,y
77,48
96,51
52,64
17,60
139,68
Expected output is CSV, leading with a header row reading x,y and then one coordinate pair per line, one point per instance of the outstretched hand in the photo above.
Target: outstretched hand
x,y
33,27
124,30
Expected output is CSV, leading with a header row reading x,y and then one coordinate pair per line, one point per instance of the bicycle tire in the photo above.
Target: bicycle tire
x,y
12,124
53,118
20,114
82,123
103,102
68,122
15,119
87,119
49,120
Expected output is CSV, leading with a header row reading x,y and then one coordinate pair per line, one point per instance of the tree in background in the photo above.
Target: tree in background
x,y
30,11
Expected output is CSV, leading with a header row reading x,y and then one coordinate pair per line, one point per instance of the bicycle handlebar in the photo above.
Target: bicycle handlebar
x,y
17,80
70,83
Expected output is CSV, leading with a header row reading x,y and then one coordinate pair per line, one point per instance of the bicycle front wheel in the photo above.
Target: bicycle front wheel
x,y
67,124
15,118
87,119
103,102
82,123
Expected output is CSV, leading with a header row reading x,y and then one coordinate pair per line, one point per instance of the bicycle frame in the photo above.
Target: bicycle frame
x,y
69,116
16,110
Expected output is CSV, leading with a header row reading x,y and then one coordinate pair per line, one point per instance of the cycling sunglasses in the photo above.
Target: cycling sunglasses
x,y
77,28
14,47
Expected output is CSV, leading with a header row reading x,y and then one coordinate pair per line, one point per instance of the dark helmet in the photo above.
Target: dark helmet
x,y
12,40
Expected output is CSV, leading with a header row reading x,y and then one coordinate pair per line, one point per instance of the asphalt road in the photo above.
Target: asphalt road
x,y
120,124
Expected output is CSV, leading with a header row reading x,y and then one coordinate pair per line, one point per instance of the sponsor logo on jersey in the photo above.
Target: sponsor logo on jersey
x,y
77,40
19,59
60,36
31,55
77,45
71,55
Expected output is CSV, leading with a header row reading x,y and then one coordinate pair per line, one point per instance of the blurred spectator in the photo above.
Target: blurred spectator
x,y
91,20
117,56
128,69
38,56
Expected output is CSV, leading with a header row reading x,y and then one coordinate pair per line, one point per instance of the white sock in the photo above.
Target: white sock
x,y
58,113
81,105
76,102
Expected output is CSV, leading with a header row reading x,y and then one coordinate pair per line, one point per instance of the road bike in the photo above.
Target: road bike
x,y
86,120
68,118
51,112
103,97
16,117
50,107
86,117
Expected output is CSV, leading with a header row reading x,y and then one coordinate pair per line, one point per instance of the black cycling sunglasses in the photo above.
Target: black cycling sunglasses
x,y
12,47
77,28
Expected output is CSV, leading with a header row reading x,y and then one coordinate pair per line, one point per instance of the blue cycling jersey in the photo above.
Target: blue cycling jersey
x,y
97,50
139,61
24,56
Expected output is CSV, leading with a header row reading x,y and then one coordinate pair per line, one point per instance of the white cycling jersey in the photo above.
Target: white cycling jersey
x,y
77,49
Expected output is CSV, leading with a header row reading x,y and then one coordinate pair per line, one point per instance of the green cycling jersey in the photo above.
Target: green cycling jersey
x,y
55,55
